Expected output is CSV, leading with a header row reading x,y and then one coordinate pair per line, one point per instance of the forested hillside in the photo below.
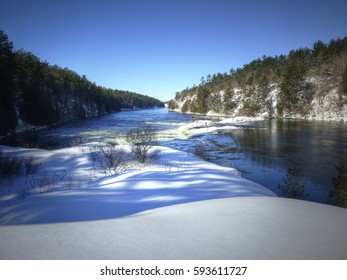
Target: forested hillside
x,y
306,83
34,93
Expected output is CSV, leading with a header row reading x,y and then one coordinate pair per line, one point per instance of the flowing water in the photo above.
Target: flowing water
x,y
261,150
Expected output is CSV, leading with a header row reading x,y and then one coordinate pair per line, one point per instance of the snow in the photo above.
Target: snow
x,y
241,119
177,207
175,177
206,127
323,106
229,228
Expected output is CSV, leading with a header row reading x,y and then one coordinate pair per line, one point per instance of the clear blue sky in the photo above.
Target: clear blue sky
x,y
158,47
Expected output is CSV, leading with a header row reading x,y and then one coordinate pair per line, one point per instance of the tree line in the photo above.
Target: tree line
x,y
39,94
326,62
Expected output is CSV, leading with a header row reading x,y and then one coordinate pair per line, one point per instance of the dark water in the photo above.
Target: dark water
x,y
264,153
261,150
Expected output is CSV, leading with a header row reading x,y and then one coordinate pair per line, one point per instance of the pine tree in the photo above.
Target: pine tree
x,y
344,81
7,87
338,196
201,101
227,102
294,182
291,86
41,94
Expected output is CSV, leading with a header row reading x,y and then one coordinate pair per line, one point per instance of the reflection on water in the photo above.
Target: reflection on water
x,y
266,151
261,150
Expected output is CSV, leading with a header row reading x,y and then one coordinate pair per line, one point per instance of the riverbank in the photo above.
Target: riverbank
x,y
172,177
261,150
178,207
334,116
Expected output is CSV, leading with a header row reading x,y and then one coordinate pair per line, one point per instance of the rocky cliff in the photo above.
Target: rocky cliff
x,y
306,83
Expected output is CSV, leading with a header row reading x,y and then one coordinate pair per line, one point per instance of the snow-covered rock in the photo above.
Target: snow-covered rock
x,y
325,102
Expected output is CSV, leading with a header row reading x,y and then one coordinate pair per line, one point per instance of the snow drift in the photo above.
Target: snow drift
x,y
179,207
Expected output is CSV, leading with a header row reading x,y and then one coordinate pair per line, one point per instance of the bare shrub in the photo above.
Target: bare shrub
x,y
69,183
44,182
112,142
199,149
94,153
141,140
109,159
10,166
77,142
61,175
31,166
171,165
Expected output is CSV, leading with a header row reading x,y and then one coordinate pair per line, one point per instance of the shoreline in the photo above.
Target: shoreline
x,y
65,173
306,118
178,207
181,207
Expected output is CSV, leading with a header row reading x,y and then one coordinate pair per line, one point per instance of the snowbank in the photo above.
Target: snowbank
x,y
176,177
179,207
229,228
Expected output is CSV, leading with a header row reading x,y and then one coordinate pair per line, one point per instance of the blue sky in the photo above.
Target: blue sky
x,y
158,47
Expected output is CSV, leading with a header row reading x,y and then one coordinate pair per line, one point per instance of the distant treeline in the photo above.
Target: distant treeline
x,y
298,78
35,93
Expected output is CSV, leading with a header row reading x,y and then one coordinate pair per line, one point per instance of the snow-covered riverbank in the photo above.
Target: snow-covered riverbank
x,y
178,207
219,126
174,177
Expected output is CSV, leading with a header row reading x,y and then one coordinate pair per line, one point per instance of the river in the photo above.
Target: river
x,y
261,150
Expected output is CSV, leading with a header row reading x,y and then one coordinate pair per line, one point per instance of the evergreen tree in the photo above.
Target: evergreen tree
x,y
293,185
292,74
41,94
201,100
227,101
291,86
338,196
344,81
186,106
7,86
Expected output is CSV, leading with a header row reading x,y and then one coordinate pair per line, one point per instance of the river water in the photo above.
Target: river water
x,y
261,150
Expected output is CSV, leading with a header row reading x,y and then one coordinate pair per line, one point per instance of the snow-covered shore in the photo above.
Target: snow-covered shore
x,y
173,178
205,127
178,207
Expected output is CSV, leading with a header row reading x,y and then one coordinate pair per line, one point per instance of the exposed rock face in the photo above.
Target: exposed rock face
x,y
323,105
306,83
